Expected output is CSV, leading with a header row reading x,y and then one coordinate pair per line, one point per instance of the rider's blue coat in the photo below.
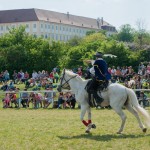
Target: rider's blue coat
x,y
101,70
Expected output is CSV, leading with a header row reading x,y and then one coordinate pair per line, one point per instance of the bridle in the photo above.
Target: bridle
x,y
65,85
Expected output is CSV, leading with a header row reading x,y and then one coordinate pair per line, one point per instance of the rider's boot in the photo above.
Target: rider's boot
x,y
97,98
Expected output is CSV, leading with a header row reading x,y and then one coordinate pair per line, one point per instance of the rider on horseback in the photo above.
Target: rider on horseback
x,y
101,76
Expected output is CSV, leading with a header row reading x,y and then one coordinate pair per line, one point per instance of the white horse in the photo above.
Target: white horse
x,y
116,96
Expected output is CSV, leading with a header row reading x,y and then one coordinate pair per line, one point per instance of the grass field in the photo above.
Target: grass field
x,y
61,129
53,129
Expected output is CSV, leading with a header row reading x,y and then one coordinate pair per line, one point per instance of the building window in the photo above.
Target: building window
x,y
48,26
56,28
45,26
41,26
52,27
7,28
34,25
60,28
2,28
27,26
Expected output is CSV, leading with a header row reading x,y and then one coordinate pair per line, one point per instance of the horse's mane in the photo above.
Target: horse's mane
x,y
72,74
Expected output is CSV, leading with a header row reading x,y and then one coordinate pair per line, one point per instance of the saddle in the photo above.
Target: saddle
x,y
94,86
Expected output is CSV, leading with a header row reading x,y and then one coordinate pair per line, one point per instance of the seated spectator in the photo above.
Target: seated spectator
x,y
60,100
38,100
71,101
11,85
13,99
6,101
49,97
24,98
5,87
31,98
143,99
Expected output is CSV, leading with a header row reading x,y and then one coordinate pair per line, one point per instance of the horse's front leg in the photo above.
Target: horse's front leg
x,y
90,125
83,111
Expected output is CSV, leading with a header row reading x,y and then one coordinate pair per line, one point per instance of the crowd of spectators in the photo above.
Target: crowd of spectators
x,y
44,80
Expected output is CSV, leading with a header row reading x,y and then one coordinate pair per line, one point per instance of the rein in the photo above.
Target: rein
x,y
66,82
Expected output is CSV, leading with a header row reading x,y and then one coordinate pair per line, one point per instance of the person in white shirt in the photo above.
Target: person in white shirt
x,y
34,74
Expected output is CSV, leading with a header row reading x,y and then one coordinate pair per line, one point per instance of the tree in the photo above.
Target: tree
x,y
125,34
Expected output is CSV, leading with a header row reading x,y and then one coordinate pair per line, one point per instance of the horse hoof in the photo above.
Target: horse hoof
x,y
93,126
119,132
87,131
144,130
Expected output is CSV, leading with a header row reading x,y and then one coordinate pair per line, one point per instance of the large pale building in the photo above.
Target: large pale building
x,y
50,24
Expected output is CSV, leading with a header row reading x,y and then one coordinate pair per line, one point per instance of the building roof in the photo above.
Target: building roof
x,y
25,15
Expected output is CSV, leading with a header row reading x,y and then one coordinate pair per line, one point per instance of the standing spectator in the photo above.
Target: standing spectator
x,y
14,76
26,76
113,71
56,77
6,75
51,76
22,75
118,73
34,74
123,72
79,72
18,77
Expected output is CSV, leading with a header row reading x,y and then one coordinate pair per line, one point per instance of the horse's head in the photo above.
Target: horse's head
x,y
64,81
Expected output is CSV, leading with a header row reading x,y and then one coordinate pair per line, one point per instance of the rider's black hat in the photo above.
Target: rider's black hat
x,y
98,54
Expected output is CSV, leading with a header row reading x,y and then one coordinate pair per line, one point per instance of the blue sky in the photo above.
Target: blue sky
x,y
116,12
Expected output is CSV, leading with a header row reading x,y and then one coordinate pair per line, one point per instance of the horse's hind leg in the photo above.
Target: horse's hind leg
x,y
134,112
122,116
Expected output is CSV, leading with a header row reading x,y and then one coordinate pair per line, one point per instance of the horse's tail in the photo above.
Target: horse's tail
x,y
134,102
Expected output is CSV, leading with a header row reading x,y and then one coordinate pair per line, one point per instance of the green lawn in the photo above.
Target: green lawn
x,y
53,129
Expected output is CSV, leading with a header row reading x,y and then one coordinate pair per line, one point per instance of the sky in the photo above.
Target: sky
x,y
115,12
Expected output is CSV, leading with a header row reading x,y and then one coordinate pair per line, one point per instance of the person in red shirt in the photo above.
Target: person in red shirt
x,y
79,72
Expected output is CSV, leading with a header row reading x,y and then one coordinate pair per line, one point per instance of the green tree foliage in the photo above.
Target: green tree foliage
x,y
18,50
125,34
